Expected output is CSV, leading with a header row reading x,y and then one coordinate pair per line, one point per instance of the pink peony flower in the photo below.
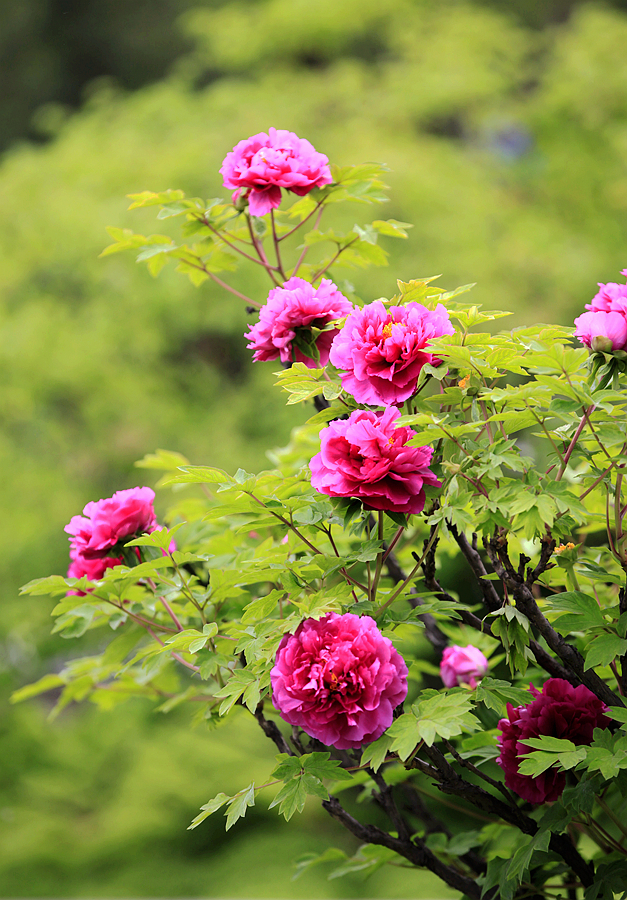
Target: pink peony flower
x,y
286,320
604,326
383,350
602,331
339,680
366,457
559,710
263,164
106,522
462,665
611,297
93,569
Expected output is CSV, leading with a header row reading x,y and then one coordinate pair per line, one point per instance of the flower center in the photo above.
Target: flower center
x,y
387,329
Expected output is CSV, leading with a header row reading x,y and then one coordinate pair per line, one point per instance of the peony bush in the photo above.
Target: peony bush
x,y
481,716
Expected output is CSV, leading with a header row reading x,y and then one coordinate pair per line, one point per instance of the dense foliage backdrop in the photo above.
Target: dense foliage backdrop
x,y
506,136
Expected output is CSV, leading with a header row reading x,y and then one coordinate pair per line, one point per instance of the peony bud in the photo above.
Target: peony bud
x,y
462,665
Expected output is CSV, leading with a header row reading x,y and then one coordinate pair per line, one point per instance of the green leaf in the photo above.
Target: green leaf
x,y
166,460
376,752
496,694
262,607
198,475
444,714
290,798
149,198
239,804
582,611
604,649
234,688
208,809
391,227
321,766
551,752
47,683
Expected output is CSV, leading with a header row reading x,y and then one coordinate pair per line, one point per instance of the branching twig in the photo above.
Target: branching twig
x,y
415,851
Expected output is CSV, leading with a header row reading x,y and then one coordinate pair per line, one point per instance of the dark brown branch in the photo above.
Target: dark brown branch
x,y
271,730
415,805
493,602
491,598
435,636
386,801
496,548
415,851
471,768
452,783
544,659
622,607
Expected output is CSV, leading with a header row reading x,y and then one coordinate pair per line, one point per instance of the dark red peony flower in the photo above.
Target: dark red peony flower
x,y
339,680
559,710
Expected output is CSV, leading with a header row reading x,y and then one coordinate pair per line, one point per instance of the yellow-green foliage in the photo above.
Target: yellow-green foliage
x,y
101,364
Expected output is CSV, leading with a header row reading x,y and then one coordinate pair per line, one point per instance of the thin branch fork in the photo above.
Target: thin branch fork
x,y
415,851
525,601
493,601
451,783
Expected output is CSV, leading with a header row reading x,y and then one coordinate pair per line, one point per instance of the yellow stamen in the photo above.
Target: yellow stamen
x,y
463,384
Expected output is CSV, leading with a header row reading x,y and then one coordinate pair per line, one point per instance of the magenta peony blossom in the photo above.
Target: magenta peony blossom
x,y
263,164
561,711
611,297
106,522
602,331
462,665
383,350
366,457
339,680
604,326
93,569
286,320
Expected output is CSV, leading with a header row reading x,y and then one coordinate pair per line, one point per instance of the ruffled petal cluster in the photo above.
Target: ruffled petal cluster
x,y
604,326
93,569
339,680
462,665
261,165
103,525
368,458
106,522
559,710
381,351
286,320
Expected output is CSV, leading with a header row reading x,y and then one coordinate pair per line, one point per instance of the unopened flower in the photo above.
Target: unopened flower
x,y
339,680
259,166
368,458
381,351
107,522
559,710
286,321
462,665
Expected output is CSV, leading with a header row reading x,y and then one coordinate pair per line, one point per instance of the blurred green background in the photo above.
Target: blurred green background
x,y
504,123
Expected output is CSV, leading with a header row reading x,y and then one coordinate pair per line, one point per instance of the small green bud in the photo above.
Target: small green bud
x,y
601,344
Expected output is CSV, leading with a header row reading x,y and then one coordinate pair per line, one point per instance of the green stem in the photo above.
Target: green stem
x,y
377,572
404,584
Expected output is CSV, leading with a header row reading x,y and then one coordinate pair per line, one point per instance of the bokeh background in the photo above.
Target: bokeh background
x,y
504,124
